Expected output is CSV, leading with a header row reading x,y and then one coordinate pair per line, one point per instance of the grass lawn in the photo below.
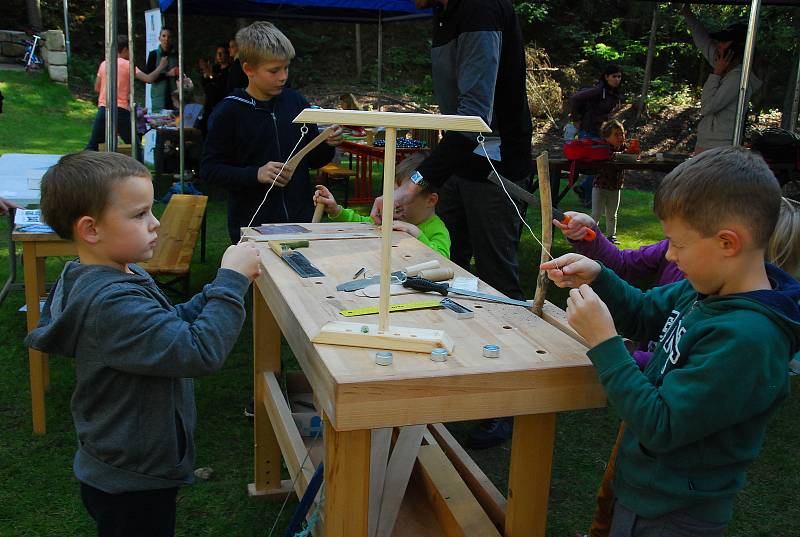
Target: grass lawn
x,y
39,496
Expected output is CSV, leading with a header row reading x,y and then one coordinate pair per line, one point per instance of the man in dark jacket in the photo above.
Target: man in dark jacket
x,y
478,64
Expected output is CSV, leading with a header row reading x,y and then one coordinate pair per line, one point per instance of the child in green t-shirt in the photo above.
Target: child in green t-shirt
x,y
417,218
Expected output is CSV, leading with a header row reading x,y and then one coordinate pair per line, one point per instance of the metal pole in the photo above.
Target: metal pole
x,y
796,101
747,63
648,70
111,75
66,30
132,69
380,56
180,91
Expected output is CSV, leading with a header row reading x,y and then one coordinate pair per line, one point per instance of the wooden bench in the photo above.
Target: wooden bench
x,y
177,237
337,172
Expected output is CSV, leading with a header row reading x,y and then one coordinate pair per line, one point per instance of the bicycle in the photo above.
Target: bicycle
x,y
30,58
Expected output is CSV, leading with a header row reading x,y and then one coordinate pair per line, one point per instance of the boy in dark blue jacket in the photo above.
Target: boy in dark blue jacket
x,y
135,353
251,135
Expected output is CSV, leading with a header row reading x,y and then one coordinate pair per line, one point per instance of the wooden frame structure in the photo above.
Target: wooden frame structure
x,y
383,336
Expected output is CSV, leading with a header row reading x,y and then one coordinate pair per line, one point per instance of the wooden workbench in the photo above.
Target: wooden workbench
x,y
541,371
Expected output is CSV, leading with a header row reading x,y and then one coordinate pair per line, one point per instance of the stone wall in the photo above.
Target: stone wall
x,y
55,55
53,51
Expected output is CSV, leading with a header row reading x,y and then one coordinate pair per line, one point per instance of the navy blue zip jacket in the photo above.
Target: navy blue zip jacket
x,y
243,135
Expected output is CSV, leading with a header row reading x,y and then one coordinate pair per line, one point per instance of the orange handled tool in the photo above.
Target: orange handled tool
x,y
565,219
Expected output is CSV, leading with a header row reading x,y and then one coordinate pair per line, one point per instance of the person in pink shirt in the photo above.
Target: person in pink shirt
x,y
123,95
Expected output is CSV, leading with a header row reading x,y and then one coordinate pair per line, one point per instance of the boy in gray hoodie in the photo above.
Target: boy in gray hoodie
x,y
135,353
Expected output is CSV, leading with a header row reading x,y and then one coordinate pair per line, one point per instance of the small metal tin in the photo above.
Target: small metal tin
x,y
491,351
439,355
383,358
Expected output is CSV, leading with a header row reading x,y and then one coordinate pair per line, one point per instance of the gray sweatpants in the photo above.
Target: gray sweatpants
x,y
626,523
605,203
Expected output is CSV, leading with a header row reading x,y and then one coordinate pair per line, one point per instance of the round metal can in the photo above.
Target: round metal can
x,y
439,355
491,351
383,358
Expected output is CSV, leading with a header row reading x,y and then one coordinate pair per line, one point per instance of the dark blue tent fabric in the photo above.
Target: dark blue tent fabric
x,y
365,11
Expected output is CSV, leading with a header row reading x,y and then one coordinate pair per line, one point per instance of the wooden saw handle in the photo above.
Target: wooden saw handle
x,y
318,210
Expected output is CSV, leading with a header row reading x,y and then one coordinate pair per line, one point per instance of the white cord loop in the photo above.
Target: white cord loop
x,y
481,139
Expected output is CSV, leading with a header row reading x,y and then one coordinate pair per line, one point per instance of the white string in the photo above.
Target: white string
x,y
294,480
481,140
303,131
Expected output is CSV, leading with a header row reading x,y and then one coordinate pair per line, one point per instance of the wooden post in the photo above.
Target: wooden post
x,y
266,357
546,199
37,360
529,475
387,214
347,461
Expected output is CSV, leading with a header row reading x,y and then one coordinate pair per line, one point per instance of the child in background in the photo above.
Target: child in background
x,y
649,262
703,342
135,353
607,185
417,218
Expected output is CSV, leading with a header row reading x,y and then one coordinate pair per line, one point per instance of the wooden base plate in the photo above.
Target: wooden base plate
x,y
396,338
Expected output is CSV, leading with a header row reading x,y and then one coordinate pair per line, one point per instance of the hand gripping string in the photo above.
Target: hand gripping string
x,y
303,132
481,139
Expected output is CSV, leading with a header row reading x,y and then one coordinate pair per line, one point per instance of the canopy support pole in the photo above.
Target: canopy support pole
x,y
380,59
132,71
181,148
111,74
66,30
747,64
796,101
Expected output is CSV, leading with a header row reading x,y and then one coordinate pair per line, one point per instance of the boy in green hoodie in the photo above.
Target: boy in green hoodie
x,y
418,217
698,412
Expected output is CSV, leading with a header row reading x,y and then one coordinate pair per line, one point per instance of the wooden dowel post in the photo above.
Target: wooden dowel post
x,y
387,214
318,210
545,196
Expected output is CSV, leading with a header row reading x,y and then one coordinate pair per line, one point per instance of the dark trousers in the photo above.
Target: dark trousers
x,y
626,523
149,513
99,129
482,223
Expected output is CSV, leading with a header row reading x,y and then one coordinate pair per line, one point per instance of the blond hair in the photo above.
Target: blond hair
x,y
406,167
263,42
784,246
719,186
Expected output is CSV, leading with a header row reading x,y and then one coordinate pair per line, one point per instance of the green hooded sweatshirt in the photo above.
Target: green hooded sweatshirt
x,y
696,416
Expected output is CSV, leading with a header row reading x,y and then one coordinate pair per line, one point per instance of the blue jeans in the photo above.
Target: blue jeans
x,y
123,129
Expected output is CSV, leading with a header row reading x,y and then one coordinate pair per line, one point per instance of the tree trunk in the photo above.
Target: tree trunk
x,y
34,14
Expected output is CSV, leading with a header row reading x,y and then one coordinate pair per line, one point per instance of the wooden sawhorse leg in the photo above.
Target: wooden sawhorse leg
x,y
529,475
266,358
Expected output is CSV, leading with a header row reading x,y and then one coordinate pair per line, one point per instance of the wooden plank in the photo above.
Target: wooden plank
x,y
379,457
543,167
457,510
297,157
266,359
346,482
294,451
486,493
398,472
393,119
398,338
529,475
177,236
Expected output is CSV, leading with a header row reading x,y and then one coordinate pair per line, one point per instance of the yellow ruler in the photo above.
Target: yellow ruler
x,y
394,307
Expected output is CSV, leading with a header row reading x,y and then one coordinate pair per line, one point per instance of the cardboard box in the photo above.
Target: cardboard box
x,y
305,415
